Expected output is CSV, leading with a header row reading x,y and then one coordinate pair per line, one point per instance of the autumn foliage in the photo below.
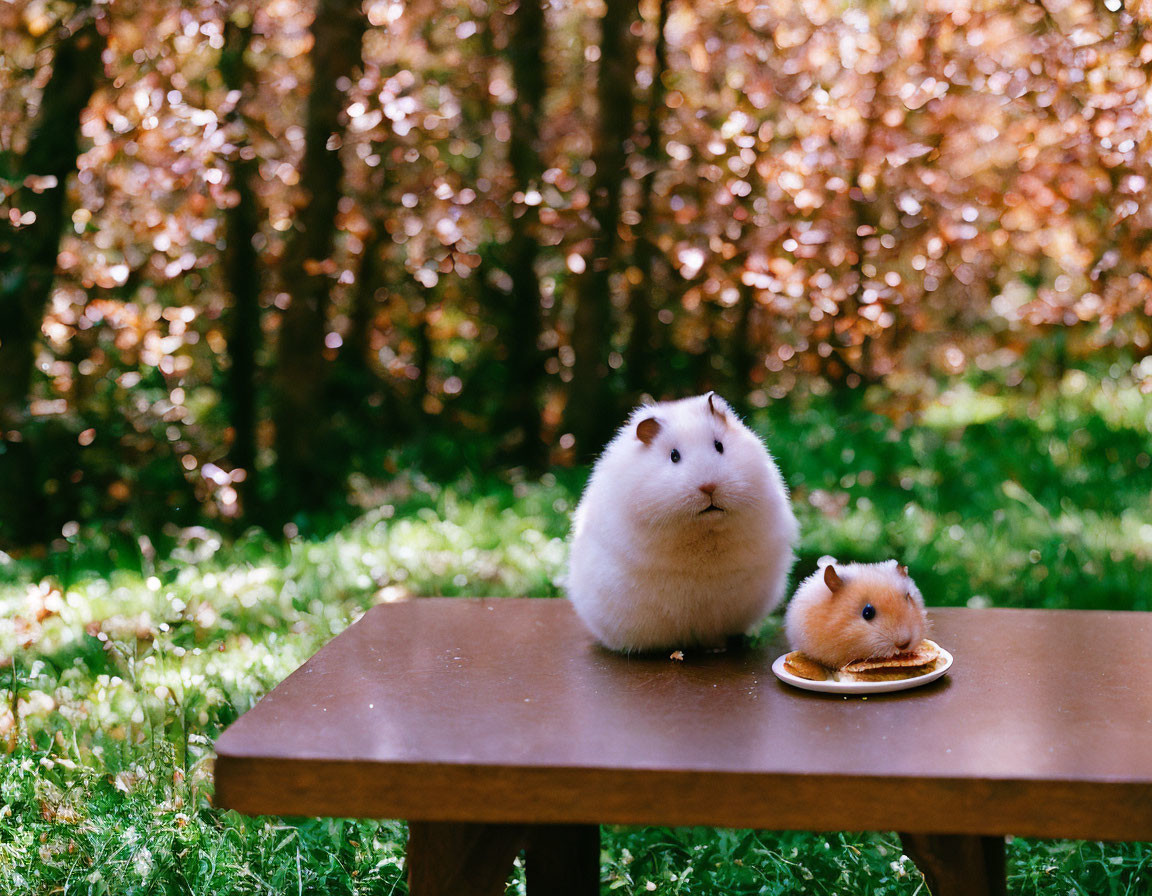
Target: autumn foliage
x,y
268,243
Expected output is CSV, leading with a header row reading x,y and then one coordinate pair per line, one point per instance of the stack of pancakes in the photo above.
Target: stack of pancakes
x,y
920,660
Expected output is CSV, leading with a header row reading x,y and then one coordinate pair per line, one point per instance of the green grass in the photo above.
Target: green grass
x,y
128,655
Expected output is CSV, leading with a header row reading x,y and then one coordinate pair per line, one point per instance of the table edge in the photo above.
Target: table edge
x,y
1074,809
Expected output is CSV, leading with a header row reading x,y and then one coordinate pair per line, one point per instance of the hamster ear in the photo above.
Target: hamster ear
x,y
832,578
647,430
903,570
718,407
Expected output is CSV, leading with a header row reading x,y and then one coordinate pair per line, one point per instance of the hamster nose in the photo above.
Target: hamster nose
x,y
905,644
708,488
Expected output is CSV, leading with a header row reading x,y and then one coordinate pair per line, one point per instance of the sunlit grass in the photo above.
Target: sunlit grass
x,y
1008,499
122,659
118,682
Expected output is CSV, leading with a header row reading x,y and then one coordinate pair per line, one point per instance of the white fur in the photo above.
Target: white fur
x,y
647,569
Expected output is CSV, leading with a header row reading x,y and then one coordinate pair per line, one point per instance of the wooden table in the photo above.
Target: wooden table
x,y
497,725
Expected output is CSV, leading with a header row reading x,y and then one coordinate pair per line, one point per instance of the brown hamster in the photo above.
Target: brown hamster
x,y
856,611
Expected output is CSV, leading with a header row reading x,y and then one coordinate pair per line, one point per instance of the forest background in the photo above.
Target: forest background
x,y
251,254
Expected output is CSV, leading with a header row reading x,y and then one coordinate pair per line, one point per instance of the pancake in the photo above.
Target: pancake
x,y
894,674
803,666
921,655
920,660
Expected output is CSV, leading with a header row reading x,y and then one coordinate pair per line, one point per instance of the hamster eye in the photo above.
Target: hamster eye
x,y
719,446
869,612
675,456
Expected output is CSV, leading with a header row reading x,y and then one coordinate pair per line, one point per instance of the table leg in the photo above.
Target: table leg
x,y
563,860
461,859
959,865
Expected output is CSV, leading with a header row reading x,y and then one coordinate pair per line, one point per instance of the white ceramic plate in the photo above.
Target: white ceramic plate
x,y
860,687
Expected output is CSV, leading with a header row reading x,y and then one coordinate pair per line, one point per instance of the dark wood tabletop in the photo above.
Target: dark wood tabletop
x,y
504,710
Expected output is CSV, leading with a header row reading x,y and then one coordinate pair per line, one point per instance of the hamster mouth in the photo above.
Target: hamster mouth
x,y
710,508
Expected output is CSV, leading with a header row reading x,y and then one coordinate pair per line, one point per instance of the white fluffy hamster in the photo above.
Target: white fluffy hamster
x,y
684,535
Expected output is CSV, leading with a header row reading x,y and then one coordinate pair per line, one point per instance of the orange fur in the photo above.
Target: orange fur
x,y
830,626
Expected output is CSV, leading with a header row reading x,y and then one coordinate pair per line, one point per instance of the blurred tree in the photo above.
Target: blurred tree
x,y
30,239
592,410
29,245
242,266
306,472
522,318
638,360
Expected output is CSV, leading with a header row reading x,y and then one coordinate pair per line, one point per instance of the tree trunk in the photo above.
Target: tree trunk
x,y
358,345
242,278
522,316
306,472
29,252
591,415
28,264
741,351
844,372
422,359
638,360
381,416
